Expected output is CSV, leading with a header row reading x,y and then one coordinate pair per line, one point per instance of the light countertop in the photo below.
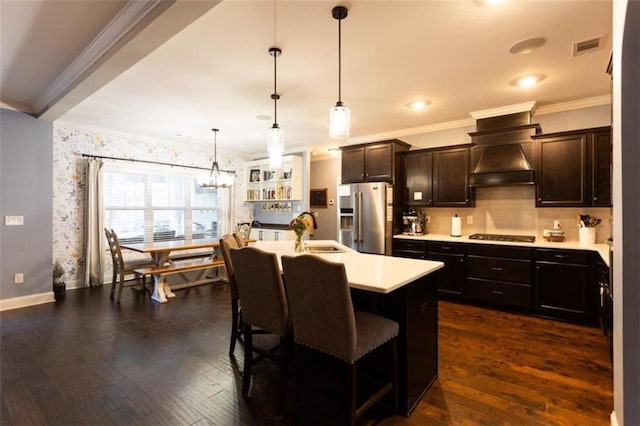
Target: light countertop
x,y
602,249
371,272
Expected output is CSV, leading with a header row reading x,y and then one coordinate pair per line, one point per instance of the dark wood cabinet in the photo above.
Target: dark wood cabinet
x,y
573,169
375,162
419,168
451,178
415,308
499,276
438,178
452,278
601,168
414,249
564,287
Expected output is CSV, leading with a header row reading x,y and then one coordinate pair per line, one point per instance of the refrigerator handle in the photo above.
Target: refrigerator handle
x,y
356,219
360,203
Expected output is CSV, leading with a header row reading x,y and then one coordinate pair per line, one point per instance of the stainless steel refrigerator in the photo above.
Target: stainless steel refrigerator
x,y
365,216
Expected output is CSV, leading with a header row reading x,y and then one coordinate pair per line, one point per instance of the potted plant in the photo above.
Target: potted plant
x,y
59,285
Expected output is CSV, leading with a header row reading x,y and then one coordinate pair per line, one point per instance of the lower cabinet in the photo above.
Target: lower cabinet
x,y
564,285
409,248
452,278
500,276
554,283
272,234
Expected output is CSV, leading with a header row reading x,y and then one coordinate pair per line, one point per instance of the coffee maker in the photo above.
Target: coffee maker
x,y
413,223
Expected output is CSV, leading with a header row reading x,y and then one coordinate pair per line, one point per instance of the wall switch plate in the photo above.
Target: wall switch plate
x,y
469,220
18,278
13,220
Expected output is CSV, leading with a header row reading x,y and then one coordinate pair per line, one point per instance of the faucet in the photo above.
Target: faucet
x,y
313,218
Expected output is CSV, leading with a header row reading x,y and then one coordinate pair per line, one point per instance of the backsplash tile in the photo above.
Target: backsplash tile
x,y
512,210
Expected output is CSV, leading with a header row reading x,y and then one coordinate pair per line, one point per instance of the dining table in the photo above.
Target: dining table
x,y
161,252
401,289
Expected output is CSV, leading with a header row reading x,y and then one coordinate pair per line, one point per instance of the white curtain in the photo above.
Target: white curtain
x,y
94,223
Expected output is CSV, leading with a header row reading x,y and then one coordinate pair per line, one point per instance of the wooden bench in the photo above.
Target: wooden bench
x,y
180,267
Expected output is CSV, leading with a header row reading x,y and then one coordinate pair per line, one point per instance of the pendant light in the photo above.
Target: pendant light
x,y
339,115
218,178
275,144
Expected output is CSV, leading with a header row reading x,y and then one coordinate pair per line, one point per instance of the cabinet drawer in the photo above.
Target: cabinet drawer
x,y
410,245
441,247
563,256
517,296
511,252
492,268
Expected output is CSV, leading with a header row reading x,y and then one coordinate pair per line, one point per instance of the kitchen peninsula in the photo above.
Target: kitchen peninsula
x,y
398,288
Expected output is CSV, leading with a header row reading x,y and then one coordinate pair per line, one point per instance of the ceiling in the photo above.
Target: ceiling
x,y
173,70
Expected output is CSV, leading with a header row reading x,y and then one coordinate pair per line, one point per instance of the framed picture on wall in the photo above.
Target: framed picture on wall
x,y
318,198
254,175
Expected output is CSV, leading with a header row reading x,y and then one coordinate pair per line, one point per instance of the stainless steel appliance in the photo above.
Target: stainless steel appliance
x,y
413,223
366,216
499,237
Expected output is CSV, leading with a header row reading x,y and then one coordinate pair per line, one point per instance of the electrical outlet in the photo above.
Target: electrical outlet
x,y
469,220
18,278
427,219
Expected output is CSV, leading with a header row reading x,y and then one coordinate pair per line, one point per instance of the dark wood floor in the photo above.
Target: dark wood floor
x,y
89,361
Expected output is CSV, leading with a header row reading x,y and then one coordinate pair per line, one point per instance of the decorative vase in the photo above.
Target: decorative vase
x,y
298,245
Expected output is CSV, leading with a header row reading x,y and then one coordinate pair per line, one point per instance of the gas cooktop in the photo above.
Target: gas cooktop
x,y
509,238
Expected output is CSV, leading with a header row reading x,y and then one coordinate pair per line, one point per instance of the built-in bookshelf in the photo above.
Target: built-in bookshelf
x,y
267,185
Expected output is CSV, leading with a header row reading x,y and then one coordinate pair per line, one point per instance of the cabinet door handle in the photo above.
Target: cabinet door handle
x,y
560,256
595,198
497,292
495,268
445,248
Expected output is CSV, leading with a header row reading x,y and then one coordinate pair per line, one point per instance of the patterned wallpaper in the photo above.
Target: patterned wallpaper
x,y
69,176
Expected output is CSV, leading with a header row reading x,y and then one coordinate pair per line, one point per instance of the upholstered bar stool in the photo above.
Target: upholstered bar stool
x,y
324,319
228,242
264,305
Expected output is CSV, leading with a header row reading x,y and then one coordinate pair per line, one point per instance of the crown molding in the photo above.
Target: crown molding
x,y
466,122
571,105
504,110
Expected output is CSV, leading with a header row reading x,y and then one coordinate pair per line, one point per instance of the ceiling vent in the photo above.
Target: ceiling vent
x,y
586,46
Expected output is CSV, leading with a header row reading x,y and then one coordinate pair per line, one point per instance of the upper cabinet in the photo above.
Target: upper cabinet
x,y
267,184
574,168
419,190
438,178
451,178
374,162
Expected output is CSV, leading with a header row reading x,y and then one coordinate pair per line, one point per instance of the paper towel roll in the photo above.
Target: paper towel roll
x,y
456,226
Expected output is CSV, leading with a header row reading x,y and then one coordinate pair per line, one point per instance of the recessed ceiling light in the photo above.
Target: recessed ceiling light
x,y
527,45
494,2
527,81
418,105
334,151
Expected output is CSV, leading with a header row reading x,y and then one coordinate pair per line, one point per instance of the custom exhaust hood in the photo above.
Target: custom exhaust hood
x,y
502,152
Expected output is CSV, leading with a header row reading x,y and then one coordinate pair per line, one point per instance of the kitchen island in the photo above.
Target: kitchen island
x,y
400,289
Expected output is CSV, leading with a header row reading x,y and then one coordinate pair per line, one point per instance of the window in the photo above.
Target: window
x,y
145,203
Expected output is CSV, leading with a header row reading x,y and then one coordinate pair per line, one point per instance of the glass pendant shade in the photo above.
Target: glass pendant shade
x,y
275,146
339,122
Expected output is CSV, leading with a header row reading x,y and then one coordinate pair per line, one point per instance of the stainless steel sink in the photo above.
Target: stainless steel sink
x,y
324,249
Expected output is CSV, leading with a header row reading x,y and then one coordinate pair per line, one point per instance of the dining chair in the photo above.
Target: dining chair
x,y
123,267
244,230
240,239
324,319
228,242
264,305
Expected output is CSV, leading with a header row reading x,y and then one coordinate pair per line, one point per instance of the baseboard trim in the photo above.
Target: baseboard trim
x,y
24,301
614,419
